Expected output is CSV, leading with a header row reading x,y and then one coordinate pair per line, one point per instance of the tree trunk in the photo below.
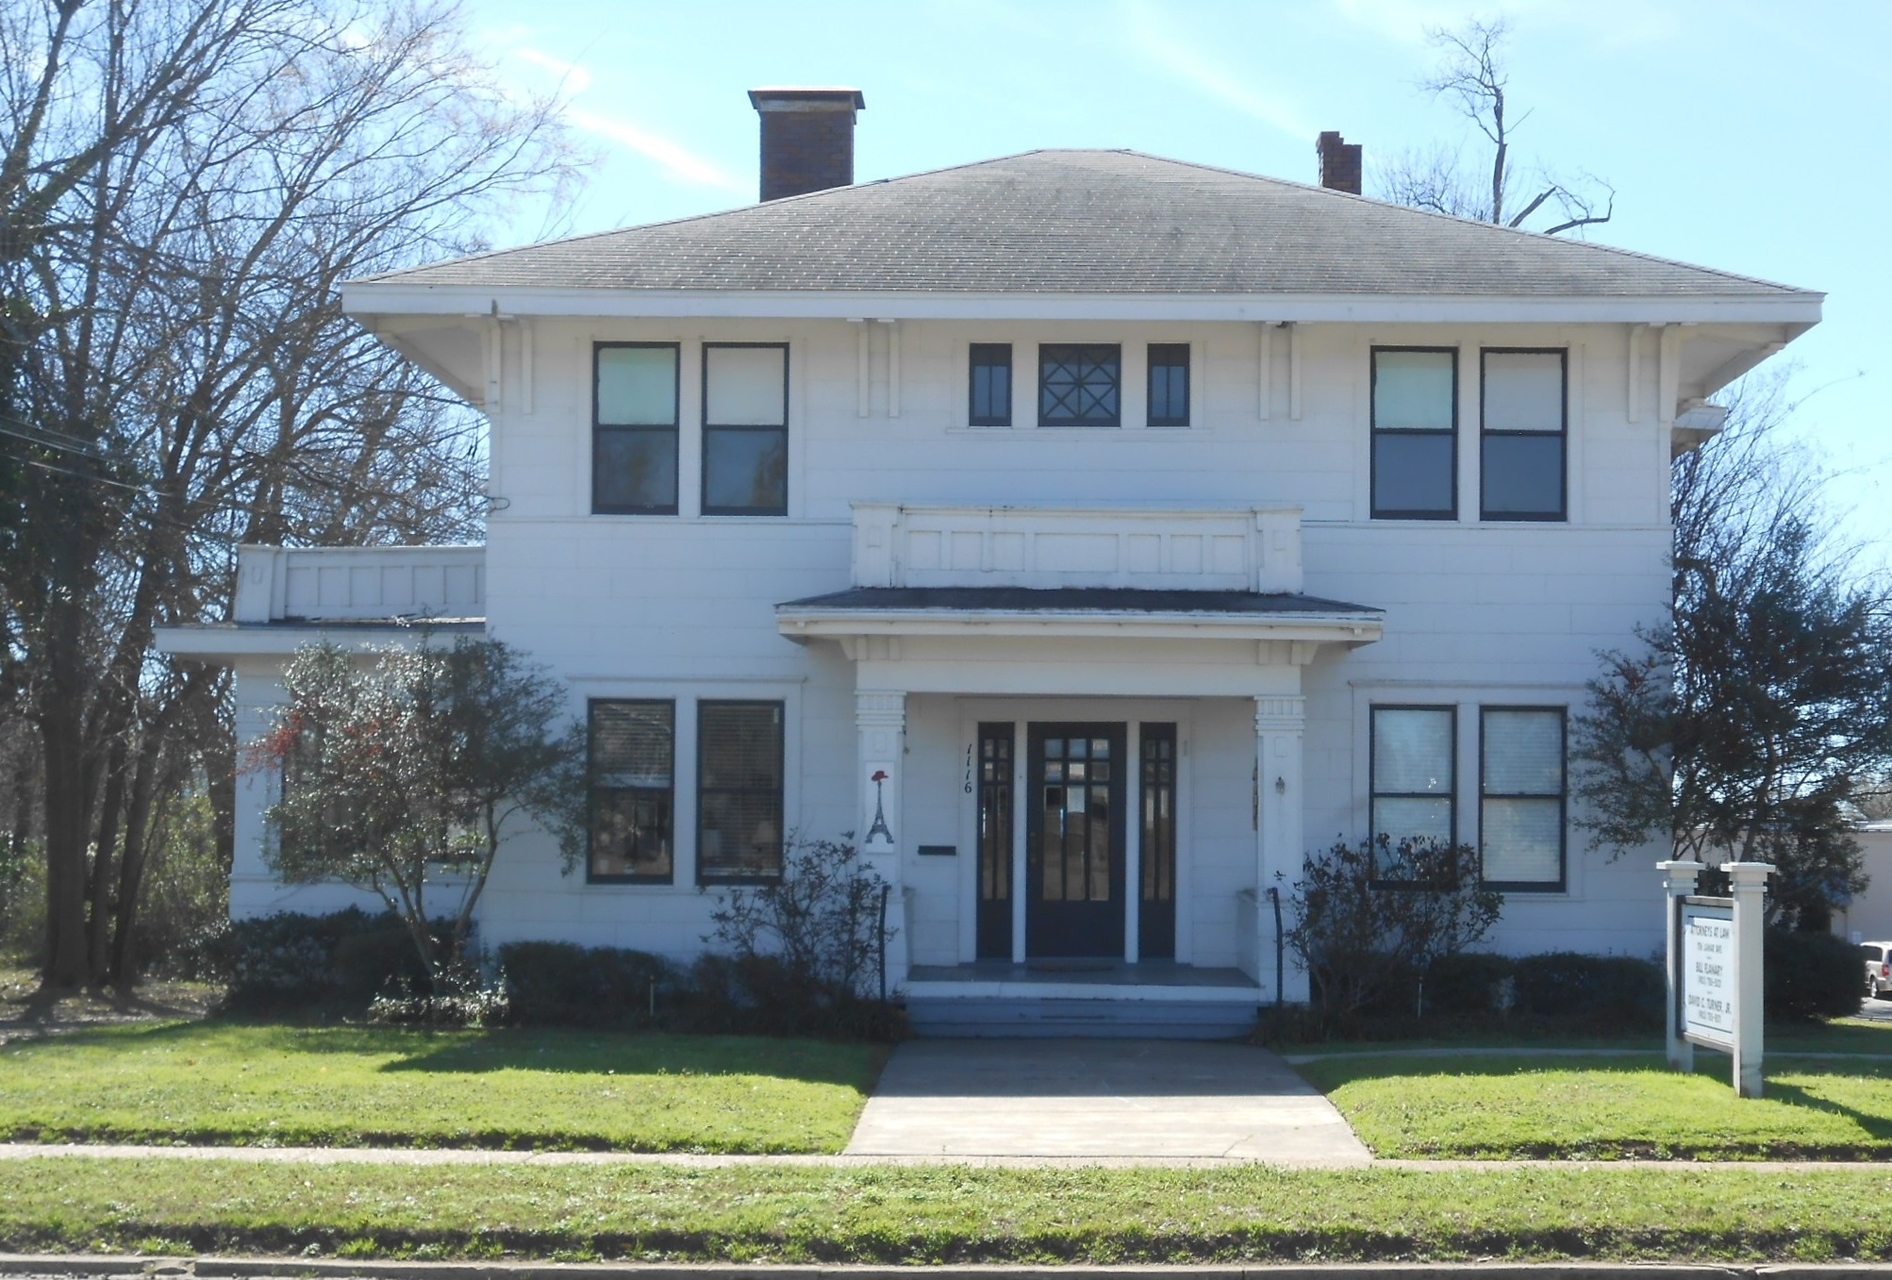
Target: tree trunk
x,y
104,850
67,816
123,969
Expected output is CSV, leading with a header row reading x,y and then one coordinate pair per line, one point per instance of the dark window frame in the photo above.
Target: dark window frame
x,y
1115,419
600,429
1149,384
1376,431
1562,514
709,428
781,792
1374,794
973,365
1561,884
592,789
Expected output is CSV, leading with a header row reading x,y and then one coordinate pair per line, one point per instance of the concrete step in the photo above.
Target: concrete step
x,y
996,1016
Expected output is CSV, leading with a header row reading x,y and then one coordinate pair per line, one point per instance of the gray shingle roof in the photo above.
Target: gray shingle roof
x,y
1088,222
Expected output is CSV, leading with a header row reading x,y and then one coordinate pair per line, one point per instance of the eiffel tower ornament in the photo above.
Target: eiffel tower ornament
x,y
879,828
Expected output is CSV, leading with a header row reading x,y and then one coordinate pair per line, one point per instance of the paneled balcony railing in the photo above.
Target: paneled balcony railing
x,y
359,584
1252,549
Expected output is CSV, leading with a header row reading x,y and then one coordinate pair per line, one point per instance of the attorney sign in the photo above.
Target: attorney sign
x,y
1708,973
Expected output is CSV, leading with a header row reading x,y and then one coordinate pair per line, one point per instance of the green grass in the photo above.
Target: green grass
x,y
1842,1035
1508,1107
938,1214
347,1086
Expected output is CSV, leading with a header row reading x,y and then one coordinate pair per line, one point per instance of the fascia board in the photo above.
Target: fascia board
x,y
225,644
393,298
833,624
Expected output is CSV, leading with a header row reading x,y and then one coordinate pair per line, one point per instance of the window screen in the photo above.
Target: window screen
x,y
1413,758
1415,442
991,392
1079,385
1521,464
631,771
1521,799
745,429
1169,384
634,428
739,791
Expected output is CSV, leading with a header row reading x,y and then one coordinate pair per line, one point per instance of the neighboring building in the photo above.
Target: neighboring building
x,y
1091,533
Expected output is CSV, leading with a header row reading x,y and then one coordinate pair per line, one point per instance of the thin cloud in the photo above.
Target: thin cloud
x,y
673,158
1211,79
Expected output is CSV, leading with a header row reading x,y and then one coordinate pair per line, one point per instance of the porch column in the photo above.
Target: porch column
x,y
880,716
1278,843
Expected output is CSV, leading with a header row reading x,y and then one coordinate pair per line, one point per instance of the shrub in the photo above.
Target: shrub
x,y
1470,983
562,984
477,1006
1367,917
1616,990
765,995
1810,975
290,961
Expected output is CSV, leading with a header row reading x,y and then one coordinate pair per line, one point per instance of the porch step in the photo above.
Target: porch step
x,y
936,1017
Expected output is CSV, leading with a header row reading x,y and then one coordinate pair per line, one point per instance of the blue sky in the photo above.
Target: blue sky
x,y
1754,137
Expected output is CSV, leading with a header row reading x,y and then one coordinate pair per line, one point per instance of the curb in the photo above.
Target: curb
x,y
335,1268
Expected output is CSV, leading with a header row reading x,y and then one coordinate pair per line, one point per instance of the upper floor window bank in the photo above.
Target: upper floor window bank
x,y
634,428
745,429
1521,460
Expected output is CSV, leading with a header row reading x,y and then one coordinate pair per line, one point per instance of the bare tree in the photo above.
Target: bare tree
x,y
184,186
1473,79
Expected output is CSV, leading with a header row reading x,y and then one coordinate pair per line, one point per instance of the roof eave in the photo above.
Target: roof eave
x,y
802,624
371,298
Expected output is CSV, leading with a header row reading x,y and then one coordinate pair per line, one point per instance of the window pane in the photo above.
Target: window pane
x,y
630,765
1412,750
745,470
1414,819
1524,391
637,386
1412,390
745,386
1169,384
1523,840
1078,385
1523,475
739,805
634,470
1412,474
631,744
1524,753
991,384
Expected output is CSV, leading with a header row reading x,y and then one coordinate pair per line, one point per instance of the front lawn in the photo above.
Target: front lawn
x,y
375,1086
1498,1106
939,1214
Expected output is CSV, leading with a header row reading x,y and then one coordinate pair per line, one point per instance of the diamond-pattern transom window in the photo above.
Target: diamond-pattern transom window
x,y
1079,384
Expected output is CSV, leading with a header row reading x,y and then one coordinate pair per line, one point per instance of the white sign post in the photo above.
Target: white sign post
x,y
1714,971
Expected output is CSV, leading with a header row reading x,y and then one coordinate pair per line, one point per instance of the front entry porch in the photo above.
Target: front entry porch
x,y
1096,999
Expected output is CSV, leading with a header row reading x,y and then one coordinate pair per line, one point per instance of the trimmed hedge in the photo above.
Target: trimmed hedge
x,y
1811,975
288,962
563,984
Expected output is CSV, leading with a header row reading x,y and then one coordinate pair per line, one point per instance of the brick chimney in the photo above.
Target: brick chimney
x,y
807,138
1339,163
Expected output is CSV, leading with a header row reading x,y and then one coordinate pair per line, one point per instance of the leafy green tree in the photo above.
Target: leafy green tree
x,y
1737,728
404,772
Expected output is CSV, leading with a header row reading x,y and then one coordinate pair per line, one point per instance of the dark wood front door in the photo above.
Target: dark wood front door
x,y
1074,879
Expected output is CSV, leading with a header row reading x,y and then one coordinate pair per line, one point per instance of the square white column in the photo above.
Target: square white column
x,y
880,717
1279,724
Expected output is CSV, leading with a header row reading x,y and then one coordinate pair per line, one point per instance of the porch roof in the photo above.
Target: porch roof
x,y
1097,611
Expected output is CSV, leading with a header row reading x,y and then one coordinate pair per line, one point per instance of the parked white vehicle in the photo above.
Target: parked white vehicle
x,y
1878,958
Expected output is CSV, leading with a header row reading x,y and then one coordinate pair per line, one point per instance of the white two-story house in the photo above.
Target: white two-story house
x,y
1090,534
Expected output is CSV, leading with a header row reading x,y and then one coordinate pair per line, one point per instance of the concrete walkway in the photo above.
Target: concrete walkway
x,y
1133,1100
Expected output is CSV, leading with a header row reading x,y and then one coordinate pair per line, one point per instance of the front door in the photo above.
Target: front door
x,y
1074,879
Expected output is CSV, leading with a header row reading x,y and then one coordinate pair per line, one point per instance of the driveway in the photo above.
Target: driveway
x,y
1102,1099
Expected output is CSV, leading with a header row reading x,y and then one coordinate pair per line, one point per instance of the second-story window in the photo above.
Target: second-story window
x,y
991,391
634,428
1169,384
1080,384
1415,441
1521,462
745,429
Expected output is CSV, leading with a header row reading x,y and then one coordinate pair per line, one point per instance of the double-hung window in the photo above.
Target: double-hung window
x,y
1521,463
738,791
630,767
1415,436
634,428
991,390
1414,753
1169,384
1521,797
1080,385
745,429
